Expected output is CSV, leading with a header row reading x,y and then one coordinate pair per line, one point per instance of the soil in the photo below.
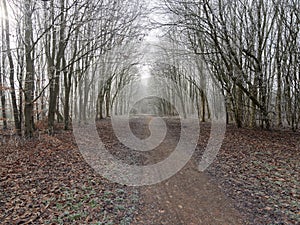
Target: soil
x,y
186,198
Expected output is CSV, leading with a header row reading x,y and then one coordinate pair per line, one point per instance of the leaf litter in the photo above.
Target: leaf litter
x,y
47,181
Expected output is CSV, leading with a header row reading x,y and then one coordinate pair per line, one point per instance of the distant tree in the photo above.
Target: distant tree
x,y
11,70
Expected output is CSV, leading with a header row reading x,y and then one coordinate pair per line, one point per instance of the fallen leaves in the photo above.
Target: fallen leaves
x,y
46,180
260,170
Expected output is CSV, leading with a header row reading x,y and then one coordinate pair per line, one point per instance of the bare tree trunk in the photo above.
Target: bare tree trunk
x,y
54,87
67,85
12,72
29,78
239,107
203,100
107,101
253,105
20,74
100,106
278,97
2,79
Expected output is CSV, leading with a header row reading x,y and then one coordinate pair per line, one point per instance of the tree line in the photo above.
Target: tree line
x,y
57,54
249,48
62,60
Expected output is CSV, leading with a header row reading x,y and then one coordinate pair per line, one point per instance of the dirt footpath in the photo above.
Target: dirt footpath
x,y
186,198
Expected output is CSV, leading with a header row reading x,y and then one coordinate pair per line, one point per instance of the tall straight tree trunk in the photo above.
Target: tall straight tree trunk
x,y
99,107
20,74
278,97
2,93
253,105
29,78
239,107
54,90
203,97
54,87
11,71
107,101
198,104
67,85
80,103
3,102
85,99
279,71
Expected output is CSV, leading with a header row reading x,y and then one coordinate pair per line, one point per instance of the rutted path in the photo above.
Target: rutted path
x,y
186,198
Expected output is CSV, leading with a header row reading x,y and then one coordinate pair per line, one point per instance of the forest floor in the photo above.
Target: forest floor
x,y
253,180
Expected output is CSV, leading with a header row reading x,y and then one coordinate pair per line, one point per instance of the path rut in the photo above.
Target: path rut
x,y
187,198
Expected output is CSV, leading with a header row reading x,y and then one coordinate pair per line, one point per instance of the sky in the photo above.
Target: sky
x,y
150,42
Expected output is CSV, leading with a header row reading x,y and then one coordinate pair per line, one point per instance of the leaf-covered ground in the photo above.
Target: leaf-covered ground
x,y
260,170
47,181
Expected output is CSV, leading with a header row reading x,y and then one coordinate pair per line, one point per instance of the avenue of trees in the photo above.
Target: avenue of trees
x,y
249,48
56,54
64,59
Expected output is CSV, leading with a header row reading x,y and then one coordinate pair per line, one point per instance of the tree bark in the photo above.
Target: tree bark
x,y
11,71
29,78
54,86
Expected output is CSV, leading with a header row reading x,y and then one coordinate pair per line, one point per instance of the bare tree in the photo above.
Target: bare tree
x,y
12,70
240,42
